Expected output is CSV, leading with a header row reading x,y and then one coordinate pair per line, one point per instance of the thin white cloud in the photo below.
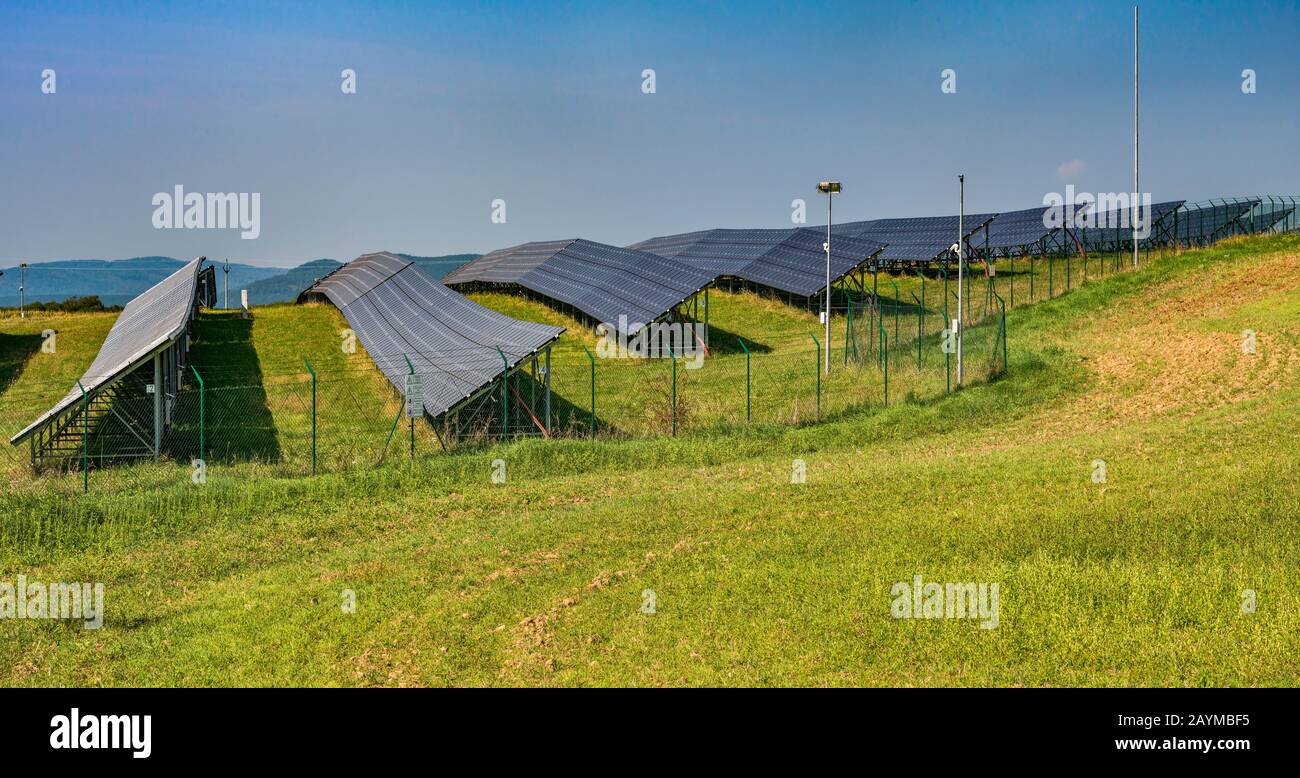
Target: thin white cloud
x,y
1072,169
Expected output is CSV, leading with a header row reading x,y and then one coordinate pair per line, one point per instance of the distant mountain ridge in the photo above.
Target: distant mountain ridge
x,y
117,281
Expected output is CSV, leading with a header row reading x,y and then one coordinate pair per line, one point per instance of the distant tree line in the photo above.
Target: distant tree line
x,y
87,304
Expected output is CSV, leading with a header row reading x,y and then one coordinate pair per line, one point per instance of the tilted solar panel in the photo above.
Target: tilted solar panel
x,y
399,312
1202,222
1014,229
157,317
608,283
789,260
917,239
1096,228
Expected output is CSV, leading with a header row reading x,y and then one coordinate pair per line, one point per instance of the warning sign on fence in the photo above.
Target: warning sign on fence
x,y
414,395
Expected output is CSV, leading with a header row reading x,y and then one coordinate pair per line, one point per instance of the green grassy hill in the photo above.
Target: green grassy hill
x,y
1137,580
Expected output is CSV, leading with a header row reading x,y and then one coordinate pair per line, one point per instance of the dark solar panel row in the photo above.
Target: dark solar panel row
x,y
398,313
1102,228
789,260
914,240
1201,223
608,283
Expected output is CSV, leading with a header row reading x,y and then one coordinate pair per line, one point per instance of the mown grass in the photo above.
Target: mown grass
x,y
757,580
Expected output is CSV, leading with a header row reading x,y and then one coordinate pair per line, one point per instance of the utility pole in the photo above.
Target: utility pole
x,y
961,262
1136,188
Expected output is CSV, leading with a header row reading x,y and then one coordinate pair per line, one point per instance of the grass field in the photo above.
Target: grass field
x,y
1139,580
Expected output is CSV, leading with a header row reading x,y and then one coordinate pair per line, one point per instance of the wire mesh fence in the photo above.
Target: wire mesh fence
x,y
891,342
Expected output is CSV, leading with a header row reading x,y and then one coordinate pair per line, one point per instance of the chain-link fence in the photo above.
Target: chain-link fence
x,y
891,342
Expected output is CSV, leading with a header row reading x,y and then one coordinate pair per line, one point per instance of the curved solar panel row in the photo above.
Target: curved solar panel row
x,y
918,239
399,313
158,316
789,260
604,282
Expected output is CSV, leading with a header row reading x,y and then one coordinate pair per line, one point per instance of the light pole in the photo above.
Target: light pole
x,y
22,286
830,188
1136,189
961,261
226,268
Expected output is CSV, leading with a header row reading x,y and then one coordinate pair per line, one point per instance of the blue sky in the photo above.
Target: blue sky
x,y
540,104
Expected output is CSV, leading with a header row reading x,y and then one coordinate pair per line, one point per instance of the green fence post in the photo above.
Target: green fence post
x,y
505,387
1002,332
920,312
410,420
898,298
848,322
313,415
593,389
746,348
817,358
673,356
884,342
85,438
202,421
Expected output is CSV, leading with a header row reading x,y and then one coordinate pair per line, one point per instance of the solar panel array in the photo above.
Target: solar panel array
x,y
399,312
1098,237
157,317
604,282
1014,230
1209,222
914,240
789,260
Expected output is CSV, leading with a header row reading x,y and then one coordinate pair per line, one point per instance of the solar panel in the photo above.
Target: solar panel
x,y
1014,230
1201,223
1097,237
399,312
914,240
789,260
608,283
156,318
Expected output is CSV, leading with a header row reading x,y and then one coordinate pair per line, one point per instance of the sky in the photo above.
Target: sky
x,y
542,105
